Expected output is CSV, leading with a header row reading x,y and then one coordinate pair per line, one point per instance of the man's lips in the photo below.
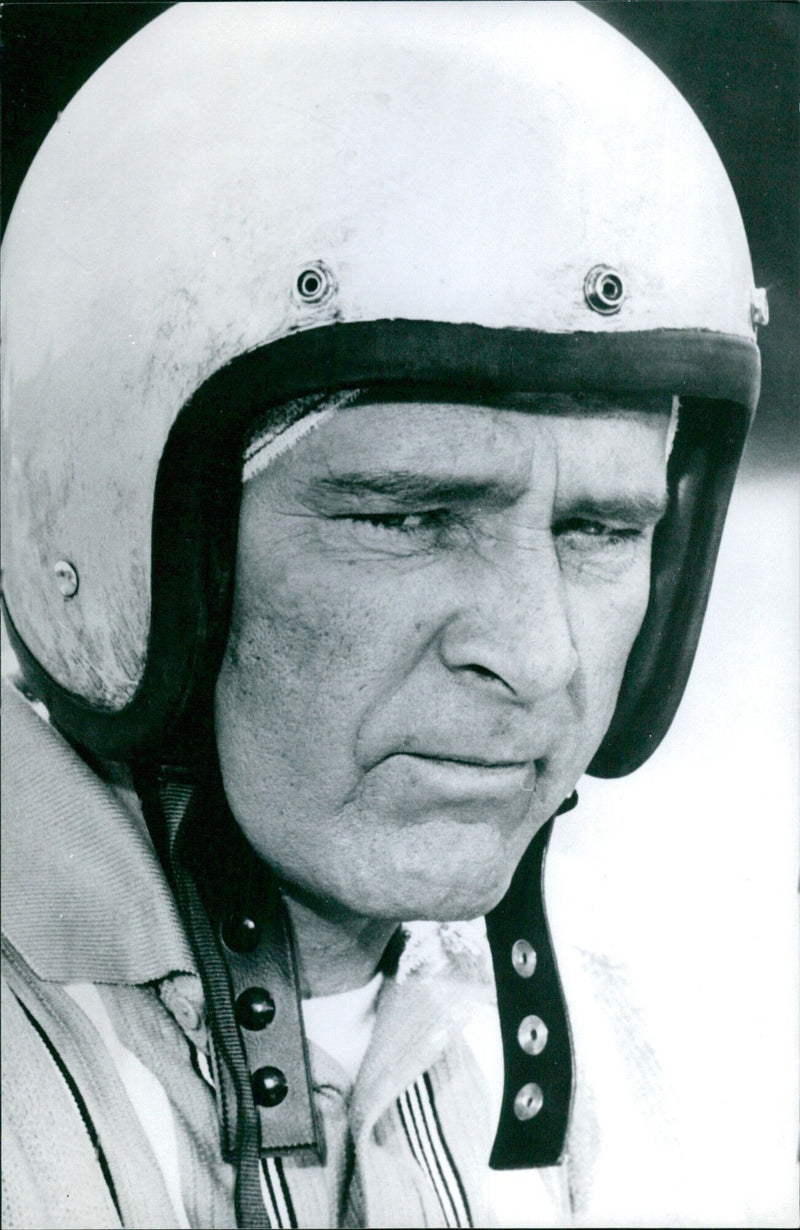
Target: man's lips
x,y
464,775
477,761
482,758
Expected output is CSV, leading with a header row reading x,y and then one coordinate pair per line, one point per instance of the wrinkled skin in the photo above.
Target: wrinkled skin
x,y
433,609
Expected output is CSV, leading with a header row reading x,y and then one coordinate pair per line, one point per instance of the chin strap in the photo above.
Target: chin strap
x,y
537,1046
239,930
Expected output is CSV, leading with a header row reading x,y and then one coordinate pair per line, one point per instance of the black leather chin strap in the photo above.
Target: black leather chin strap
x,y
537,1046
239,930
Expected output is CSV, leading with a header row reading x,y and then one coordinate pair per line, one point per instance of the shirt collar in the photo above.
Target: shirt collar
x,y
443,977
85,897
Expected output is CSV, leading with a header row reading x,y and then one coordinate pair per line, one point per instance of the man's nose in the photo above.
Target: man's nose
x,y
512,630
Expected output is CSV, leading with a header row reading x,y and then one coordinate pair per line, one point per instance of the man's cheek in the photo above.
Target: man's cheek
x,y
605,633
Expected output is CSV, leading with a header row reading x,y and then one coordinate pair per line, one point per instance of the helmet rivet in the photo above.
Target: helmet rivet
x,y
604,290
315,283
66,578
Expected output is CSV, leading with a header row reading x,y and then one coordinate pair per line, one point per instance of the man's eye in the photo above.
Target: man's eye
x,y
401,523
583,533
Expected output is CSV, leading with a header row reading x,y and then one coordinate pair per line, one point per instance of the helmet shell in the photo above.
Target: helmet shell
x,y
252,201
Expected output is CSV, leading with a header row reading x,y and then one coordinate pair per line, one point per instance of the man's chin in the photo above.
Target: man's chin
x,y
451,899
446,870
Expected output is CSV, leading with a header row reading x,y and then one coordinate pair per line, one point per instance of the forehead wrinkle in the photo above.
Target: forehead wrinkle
x,y
444,462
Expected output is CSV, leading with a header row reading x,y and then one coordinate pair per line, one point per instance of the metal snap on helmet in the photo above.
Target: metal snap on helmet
x,y
251,202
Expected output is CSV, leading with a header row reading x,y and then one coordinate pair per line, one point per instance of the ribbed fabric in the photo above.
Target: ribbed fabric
x,y
104,912
207,1182
145,1093
136,1177
43,1187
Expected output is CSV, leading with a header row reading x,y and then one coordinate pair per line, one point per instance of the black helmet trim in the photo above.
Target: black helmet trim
x,y
198,490
701,473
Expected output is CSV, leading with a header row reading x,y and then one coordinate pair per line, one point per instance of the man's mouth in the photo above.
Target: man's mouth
x,y
466,775
481,762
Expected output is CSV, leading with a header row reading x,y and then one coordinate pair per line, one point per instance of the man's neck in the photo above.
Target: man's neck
x,y
336,951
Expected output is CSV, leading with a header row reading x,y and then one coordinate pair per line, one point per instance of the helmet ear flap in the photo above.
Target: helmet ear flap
x,y
701,472
195,526
169,720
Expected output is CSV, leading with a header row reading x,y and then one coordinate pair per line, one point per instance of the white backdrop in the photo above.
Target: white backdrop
x,y
686,874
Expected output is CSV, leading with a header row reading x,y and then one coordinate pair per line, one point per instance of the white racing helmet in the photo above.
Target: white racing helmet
x,y
251,203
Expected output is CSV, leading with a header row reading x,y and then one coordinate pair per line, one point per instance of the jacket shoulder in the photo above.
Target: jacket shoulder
x,y
52,1176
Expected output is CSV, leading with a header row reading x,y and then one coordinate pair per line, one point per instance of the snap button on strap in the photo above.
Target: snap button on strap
x,y
532,1035
239,933
523,958
255,1008
269,1087
537,1048
528,1102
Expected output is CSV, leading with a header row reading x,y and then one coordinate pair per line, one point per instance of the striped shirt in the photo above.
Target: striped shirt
x,y
406,1141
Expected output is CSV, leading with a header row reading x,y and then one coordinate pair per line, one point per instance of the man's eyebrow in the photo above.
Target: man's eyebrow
x,y
631,507
411,486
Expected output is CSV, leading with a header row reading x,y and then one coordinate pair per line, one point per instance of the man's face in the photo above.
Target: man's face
x,y
433,609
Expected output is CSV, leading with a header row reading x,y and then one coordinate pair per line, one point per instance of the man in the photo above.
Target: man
x,y
376,379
